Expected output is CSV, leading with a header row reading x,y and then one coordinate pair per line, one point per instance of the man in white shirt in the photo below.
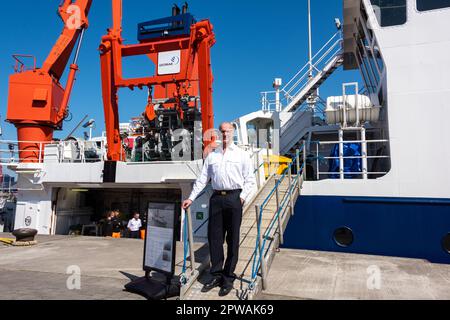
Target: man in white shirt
x,y
231,172
134,225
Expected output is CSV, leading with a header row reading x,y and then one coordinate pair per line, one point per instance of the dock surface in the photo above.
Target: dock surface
x,y
106,265
314,275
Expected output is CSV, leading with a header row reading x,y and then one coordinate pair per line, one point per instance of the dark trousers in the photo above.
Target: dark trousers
x,y
225,219
134,234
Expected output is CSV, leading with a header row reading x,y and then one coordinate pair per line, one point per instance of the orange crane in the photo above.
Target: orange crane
x,y
179,93
180,48
38,103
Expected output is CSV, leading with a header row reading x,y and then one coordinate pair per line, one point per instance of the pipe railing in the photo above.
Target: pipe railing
x,y
285,202
67,151
364,157
323,57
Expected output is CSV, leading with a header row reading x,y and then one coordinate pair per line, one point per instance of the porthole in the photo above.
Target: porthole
x,y
343,237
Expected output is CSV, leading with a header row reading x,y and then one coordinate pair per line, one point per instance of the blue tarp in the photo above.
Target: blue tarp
x,y
350,165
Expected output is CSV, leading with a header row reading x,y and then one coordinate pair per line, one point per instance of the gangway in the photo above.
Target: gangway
x,y
264,221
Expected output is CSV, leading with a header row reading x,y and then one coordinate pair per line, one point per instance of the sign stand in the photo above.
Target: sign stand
x,y
159,254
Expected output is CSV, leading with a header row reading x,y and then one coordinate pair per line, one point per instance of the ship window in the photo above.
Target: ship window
x,y
425,5
369,59
343,237
389,12
446,243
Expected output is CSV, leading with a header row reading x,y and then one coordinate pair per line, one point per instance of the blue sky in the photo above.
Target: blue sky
x,y
256,42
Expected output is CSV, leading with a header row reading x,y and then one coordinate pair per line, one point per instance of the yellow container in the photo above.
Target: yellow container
x,y
278,164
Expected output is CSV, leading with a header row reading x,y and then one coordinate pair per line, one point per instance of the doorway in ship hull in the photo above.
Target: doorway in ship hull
x,y
78,207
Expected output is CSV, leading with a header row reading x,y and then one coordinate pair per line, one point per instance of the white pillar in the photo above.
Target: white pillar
x,y
277,100
186,189
364,153
341,154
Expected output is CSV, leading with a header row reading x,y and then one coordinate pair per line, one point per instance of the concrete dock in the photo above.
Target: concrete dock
x,y
106,265
41,272
312,275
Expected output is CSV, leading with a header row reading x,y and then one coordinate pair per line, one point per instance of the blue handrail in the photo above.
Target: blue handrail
x,y
257,262
185,241
262,164
256,267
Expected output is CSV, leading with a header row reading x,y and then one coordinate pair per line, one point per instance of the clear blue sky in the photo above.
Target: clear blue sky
x,y
256,42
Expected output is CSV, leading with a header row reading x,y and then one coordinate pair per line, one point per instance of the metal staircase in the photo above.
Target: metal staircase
x,y
314,83
292,131
306,81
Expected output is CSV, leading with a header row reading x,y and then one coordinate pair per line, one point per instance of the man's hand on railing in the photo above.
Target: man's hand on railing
x,y
186,204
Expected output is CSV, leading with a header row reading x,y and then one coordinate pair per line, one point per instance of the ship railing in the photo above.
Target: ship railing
x,y
8,186
324,56
317,160
70,151
20,65
266,239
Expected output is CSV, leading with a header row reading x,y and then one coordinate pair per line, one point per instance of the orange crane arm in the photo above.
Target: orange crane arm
x,y
37,102
74,16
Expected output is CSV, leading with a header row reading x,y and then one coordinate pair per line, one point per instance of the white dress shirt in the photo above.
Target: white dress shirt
x,y
134,225
227,171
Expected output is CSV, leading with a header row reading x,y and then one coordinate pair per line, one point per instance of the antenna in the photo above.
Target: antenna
x,y
175,10
310,40
185,8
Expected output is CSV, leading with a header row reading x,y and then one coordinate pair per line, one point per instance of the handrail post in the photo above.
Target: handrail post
x,y
291,203
304,160
341,153
40,152
258,175
299,183
317,161
191,239
364,153
261,253
280,232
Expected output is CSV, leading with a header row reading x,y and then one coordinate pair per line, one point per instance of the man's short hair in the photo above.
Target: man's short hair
x,y
226,123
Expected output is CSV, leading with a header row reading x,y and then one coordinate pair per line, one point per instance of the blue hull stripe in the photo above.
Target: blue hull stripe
x,y
402,227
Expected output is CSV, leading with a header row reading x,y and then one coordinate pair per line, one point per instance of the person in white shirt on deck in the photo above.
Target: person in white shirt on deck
x,y
134,225
231,172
